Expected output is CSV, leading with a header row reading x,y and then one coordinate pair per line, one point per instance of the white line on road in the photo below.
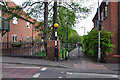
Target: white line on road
x,y
21,67
60,77
36,75
94,74
62,72
43,69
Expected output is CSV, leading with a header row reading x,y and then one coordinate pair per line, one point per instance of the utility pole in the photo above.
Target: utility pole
x,y
99,49
66,58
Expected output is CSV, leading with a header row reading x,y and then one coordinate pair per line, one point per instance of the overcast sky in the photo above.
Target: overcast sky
x,y
87,23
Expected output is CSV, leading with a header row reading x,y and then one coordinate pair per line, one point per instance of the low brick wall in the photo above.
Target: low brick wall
x,y
51,50
111,58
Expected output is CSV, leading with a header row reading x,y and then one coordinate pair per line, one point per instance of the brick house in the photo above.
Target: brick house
x,y
0,20
20,29
110,18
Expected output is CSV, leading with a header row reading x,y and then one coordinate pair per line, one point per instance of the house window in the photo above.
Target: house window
x,y
105,11
34,29
28,25
14,38
28,38
101,16
38,30
15,20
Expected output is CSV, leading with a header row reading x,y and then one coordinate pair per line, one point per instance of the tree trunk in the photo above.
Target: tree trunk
x,y
45,33
54,19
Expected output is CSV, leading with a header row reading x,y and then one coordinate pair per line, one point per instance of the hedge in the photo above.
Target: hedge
x,y
90,43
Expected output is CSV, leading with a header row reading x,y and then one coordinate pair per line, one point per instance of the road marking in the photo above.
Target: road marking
x,y
62,72
43,69
21,67
94,74
60,77
69,73
36,75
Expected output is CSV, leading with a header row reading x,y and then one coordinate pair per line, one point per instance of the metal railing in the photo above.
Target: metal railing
x,y
23,49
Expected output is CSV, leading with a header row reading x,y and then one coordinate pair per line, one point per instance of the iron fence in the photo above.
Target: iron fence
x,y
23,49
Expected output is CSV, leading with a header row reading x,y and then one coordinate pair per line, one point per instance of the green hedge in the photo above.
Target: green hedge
x,y
90,43
42,53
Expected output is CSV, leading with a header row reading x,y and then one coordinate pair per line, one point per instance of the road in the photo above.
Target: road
x,y
32,71
76,67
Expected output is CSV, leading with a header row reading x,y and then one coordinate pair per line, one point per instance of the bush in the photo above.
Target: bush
x,y
42,53
90,43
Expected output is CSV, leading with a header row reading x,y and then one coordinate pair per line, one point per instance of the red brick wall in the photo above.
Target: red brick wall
x,y
106,20
114,25
19,29
110,23
51,50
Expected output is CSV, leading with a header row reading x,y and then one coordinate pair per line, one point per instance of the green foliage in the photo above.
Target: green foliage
x,y
71,48
90,43
72,35
62,52
42,53
64,16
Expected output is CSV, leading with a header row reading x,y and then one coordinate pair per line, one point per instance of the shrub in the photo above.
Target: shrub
x,y
90,43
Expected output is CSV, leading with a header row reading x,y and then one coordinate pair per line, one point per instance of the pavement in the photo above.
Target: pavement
x,y
77,61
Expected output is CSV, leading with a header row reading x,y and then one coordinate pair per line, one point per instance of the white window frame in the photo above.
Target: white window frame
x,y
28,25
15,20
15,40
27,38
105,12
34,29
101,16
38,31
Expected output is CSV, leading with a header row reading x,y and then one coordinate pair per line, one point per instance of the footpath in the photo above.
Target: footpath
x,y
78,61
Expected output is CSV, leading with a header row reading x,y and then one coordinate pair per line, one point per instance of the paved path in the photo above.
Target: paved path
x,y
83,61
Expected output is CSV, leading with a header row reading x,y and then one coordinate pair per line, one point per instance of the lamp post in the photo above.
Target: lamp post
x,y
84,29
99,49
66,57
56,48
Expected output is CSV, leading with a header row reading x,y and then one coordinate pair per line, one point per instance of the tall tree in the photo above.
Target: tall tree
x,y
36,10
45,23
54,18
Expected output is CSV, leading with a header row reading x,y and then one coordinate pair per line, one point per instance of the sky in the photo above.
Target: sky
x,y
87,23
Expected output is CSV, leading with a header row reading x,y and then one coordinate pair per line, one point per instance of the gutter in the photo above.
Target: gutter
x,y
119,27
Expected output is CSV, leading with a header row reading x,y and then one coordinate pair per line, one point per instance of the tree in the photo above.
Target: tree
x,y
54,18
45,23
71,12
72,35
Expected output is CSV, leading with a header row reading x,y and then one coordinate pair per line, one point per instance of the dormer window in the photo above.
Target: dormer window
x,y
15,20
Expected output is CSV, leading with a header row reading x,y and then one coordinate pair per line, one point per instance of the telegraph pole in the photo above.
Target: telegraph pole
x,y
99,49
